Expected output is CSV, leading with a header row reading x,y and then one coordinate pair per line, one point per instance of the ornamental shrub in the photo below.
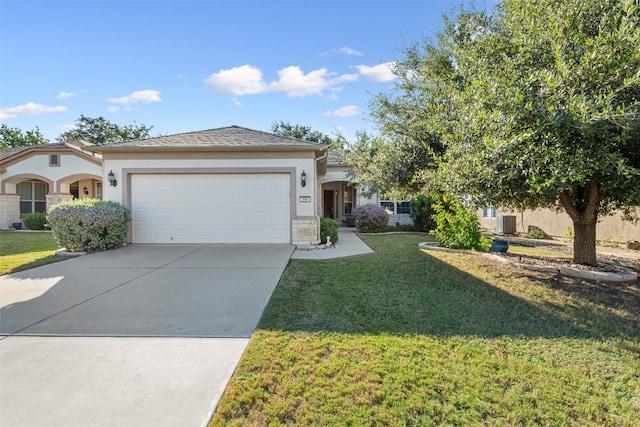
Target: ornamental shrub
x,y
328,227
35,220
89,224
457,227
422,212
371,219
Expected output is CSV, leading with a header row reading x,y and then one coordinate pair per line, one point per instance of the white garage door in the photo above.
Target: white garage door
x,y
215,208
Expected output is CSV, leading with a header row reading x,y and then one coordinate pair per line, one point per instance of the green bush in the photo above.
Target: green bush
x,y
457,227
534,233
328,227
422,212
89,224
371,219
35,220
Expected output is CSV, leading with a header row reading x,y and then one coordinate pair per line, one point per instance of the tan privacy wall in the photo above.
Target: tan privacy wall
x,y
554,224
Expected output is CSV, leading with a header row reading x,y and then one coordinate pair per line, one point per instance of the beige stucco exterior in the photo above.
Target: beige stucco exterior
x,y
303,200
74,168
554,224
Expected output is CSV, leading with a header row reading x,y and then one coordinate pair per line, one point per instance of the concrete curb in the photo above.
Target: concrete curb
x,y
626,276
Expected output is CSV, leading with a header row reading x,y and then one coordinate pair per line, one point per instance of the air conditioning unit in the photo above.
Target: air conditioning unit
x,y
506,224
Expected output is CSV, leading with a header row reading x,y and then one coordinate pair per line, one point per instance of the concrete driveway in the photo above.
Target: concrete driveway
x,y
145,335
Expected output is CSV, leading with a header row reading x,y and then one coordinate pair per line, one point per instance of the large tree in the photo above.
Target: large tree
x,y
101,131
14,137
536,105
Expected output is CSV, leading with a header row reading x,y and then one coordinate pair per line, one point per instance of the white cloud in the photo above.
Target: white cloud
x,y
295,82
112,109
249,80
380,73
236,101
29,109
348,51
346,111
243,80
138,97
66,95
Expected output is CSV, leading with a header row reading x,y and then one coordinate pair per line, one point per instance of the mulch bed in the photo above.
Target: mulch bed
x,y
603,267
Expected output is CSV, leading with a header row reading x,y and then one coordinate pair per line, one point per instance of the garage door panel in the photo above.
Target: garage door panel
x,y
214,208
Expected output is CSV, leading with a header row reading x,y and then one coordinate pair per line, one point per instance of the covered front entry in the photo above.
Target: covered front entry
x,y
338,201
211,208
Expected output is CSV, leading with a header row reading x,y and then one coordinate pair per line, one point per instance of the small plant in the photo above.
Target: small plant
x,y
611,242
328,227
89,224
457,227
35,220
567,235
422,212
534,233
371,219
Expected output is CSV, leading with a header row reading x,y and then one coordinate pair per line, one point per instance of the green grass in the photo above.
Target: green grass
x,y
24,250
405,337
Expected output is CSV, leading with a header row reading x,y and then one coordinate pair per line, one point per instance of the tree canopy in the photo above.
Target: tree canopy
x,y
101,131
302,132
536,105
14,137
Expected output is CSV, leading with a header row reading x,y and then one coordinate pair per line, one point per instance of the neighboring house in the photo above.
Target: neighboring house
x,y
33,178
554,223
226,185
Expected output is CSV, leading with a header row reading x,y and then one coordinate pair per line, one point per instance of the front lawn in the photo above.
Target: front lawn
x,y
21,250
405,337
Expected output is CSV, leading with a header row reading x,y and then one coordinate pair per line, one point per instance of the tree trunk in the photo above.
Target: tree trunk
x,y
582,204
584,242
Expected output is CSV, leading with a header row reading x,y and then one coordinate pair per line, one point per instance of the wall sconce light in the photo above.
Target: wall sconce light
x,y
85,191
303,178
112,179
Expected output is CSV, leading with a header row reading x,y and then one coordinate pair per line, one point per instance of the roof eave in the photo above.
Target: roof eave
x,y
116,148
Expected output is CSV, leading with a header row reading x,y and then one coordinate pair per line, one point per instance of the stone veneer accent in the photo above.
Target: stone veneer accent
x,y
54,199
9,210
305,231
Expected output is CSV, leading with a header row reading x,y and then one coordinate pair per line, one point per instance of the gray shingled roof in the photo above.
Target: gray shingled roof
x,y
227,138
335,158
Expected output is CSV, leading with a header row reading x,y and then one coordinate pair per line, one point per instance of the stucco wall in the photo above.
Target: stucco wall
x,y
70,165
555,224
304,222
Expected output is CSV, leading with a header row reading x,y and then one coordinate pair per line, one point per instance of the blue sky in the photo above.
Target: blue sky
x,y
193,65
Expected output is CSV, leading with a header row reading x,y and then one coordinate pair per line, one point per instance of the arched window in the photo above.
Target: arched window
x,y
33,197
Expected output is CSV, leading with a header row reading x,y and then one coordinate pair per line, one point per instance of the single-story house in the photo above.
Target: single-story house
x,y
34,178
227,185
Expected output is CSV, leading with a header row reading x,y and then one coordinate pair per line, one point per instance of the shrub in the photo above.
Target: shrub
x,y
35,220
328,227
457,227
534,233
371,219
422,212
89,224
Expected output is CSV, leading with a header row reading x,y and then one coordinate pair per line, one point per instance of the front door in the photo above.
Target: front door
x,y
329,211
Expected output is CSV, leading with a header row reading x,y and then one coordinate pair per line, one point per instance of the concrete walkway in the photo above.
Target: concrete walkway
x,y
349,244
145,335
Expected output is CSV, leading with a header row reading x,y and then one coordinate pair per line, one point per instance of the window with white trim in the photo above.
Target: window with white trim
x,y
396,208
33,197
489,212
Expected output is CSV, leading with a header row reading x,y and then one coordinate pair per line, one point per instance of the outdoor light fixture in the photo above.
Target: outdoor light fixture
x,y
85,191
303,178
112,179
